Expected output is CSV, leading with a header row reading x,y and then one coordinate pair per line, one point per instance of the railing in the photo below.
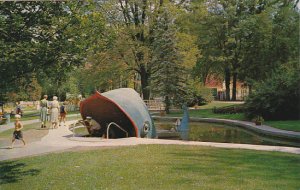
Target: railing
x,y
113,123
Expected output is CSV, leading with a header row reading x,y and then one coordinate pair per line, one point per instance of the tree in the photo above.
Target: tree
x,y
278,97
134,21
45,39
168,77
34,90
243,39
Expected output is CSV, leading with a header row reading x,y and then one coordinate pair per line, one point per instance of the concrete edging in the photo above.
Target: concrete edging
x,y
261,129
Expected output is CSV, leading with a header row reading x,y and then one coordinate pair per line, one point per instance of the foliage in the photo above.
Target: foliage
x,y
277,98
134,22
46,40
243,40
258,119
233,109
199,94
27,90
33,40
169,77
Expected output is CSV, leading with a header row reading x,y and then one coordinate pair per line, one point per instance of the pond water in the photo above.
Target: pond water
x,y
210,132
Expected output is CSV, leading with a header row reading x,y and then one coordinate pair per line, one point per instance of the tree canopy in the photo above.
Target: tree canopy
x,y
160,48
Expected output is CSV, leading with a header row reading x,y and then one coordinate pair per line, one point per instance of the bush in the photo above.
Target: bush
x,y
230,109
199,94
277,98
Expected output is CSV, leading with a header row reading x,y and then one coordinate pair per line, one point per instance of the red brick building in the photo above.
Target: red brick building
x,y
218,84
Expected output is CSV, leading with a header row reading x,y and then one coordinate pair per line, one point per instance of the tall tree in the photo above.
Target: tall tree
x,y
32,40
168,77
244,38
134,20
45,39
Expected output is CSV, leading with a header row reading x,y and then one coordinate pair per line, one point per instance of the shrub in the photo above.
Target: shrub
x,y
277,98
199,94
230,109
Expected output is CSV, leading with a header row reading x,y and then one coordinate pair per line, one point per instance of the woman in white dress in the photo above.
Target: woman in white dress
x,y
54,112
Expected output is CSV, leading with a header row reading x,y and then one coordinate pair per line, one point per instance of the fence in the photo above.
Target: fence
x,y
155,104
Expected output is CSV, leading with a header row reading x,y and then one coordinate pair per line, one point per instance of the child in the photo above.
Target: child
x,y
17,133
63,113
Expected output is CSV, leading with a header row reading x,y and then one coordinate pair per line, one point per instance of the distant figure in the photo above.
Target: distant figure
x,y
63,113
54,112
7,117
17,133
18,109
177,124
44,110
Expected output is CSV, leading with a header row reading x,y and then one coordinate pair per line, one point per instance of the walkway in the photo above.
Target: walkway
x,y
62,139
28,122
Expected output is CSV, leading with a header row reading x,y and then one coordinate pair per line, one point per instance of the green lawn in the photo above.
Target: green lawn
x,y
154,167
205,111
208,113
31,116
218,104
291,125
9,132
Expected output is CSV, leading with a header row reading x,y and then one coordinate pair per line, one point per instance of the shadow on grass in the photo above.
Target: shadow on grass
x,y
13,171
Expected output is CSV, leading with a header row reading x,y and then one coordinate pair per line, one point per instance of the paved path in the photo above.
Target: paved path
x,y
11,124
62,139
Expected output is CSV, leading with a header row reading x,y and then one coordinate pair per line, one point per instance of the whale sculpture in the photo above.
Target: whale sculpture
x,y
121,113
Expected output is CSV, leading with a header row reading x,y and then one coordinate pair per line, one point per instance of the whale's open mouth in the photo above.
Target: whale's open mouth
x,y
104,111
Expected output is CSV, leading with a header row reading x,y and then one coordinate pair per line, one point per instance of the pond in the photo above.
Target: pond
x,y
210,132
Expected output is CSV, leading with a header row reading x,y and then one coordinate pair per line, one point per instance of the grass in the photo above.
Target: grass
x,y
291,125
208,113
154,167
31,116
9,132
218,104
205,111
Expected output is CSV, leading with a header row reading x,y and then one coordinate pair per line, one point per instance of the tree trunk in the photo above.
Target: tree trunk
x,y
250,89
234,86
167,103
227,83
145,83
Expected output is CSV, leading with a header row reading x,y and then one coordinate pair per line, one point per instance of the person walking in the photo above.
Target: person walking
x,y
54,112
17,133
63,113
44,111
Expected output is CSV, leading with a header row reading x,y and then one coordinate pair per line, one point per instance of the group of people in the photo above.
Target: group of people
x,y
57,116
57,113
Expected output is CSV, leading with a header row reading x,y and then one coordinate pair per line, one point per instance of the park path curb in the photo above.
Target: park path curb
x,y
62,139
